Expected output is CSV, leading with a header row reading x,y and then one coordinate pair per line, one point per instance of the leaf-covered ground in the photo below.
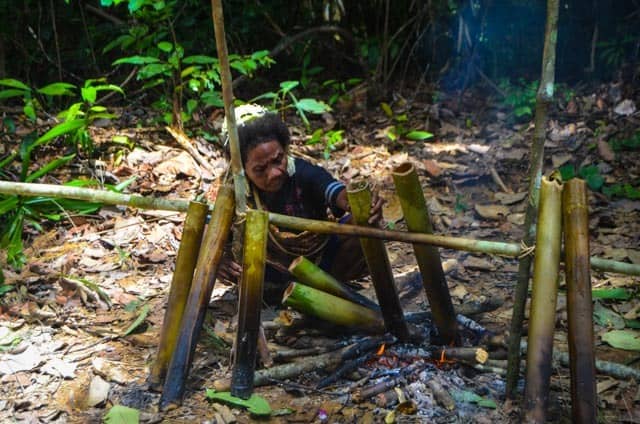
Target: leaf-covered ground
x,y
78,331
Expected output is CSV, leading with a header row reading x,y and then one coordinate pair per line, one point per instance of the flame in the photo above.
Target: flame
x,y
381,349
443,359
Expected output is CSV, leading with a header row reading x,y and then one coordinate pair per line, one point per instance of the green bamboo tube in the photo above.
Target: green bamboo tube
x,y
378,263
250,302
329,307
416,215
543,301
575,216
215,237
179,291
294,223
313,276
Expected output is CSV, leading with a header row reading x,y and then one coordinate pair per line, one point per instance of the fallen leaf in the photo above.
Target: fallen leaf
x,y
25,361
392,210
623,339
510,198
432,168
98,391
60,368
605,151
625,108
119,414
256,405
560,159
495,212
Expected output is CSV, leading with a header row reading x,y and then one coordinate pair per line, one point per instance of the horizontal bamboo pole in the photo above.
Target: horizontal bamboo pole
x,y
295,223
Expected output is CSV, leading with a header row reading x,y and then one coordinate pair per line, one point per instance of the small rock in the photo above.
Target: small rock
x,y
625,108
98,391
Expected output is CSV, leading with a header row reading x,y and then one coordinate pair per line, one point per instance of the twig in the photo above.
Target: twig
x,y
184,142
498,180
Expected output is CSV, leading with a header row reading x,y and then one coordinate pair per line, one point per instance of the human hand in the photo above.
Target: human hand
x,y
229,270
375,213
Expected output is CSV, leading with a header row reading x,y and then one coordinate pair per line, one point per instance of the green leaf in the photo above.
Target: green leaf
x,y
607,318
487,403
287,86
623,339
165,46
136,60
632,323
470,397
13,92
256,405
54,164
199,60
10,82
386,109
567,172
313,106
143,314
418,135
595,181
58,89
89,94
618,293
153,69
119,414
5,288
59,130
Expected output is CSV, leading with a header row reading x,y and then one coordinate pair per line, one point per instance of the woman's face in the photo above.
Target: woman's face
x,y
266,166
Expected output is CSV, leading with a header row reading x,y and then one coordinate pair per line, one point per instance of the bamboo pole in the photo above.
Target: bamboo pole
x,y
239,179
179,291
544,98
294,223
312,275
209,258
375,254
416,215
579,304
334,309
250,302
543,301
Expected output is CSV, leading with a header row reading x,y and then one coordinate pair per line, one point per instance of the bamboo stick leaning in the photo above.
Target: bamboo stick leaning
x,y
543,301
209,258
377,260
416,215
575,218
250,303
179,290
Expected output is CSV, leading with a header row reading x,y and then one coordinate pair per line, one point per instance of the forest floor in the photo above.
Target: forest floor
x,y
66,354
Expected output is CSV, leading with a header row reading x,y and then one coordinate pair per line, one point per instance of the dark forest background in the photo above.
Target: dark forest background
x,y
455,43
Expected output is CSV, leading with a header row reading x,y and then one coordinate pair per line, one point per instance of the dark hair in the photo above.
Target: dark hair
x,y
268,127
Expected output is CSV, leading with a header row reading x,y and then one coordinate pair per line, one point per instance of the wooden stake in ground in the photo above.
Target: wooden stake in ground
x,y
179,291
544,98
239,179
543,301
250,298
334,309
378,264
575,218
204,278
312,275
416,215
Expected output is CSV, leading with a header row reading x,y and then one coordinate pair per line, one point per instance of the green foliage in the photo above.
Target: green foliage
x,y
119,414
399,128
521,97
330,139
256,404
285,98
595,181
629,143
194,79
339,89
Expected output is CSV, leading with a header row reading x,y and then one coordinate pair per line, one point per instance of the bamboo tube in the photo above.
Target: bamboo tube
x,y
250,302
579,307
179,291
543,301
294,223
375,254
416,215
312,275
239,179
199,296
334,309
